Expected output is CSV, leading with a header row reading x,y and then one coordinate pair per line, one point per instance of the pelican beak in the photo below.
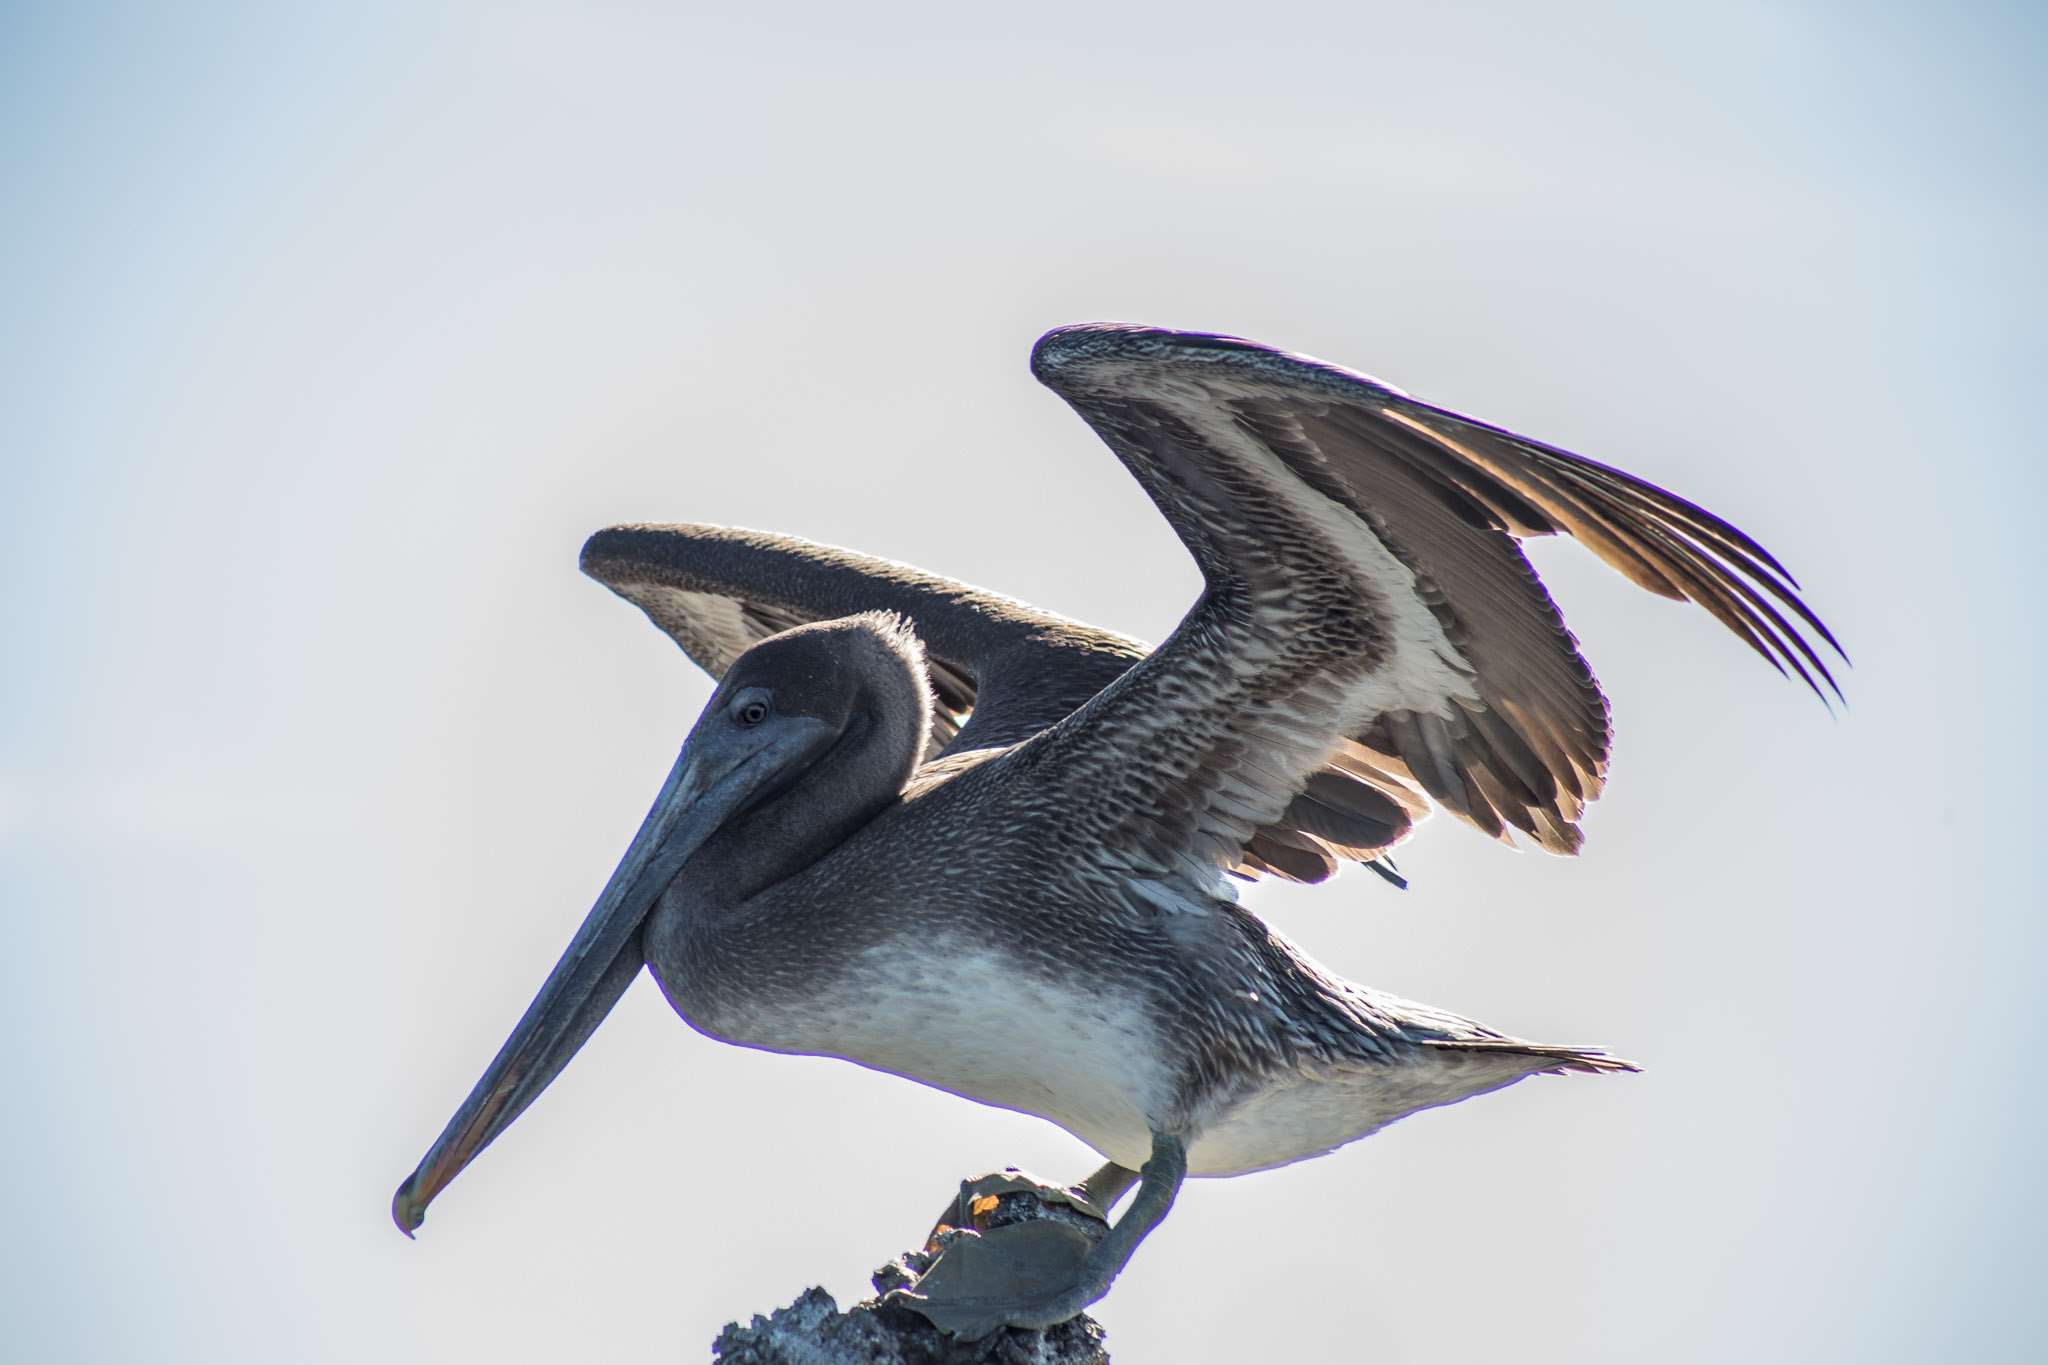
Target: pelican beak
x,y
714,777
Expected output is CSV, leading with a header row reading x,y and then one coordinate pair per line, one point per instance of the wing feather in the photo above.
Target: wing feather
x,y
1366,602
1000,670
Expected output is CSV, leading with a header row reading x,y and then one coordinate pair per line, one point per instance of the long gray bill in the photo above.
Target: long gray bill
x,y
601,962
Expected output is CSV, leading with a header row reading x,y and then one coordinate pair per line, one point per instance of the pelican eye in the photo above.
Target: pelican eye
x,y
750,707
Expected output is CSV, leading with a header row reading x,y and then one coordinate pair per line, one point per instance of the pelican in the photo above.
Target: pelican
x,y
943,834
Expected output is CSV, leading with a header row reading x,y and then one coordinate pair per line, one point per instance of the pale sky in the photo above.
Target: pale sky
x,y
328,337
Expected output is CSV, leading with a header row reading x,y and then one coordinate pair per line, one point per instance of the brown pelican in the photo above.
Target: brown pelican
x,y
943,834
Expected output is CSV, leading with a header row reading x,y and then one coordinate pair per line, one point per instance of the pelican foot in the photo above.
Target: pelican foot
x,y
1039,1273
1024,1275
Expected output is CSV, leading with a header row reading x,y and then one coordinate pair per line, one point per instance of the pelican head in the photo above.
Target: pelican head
x,y
845,697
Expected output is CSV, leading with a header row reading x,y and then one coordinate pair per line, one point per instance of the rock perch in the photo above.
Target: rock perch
x,y
1001,1229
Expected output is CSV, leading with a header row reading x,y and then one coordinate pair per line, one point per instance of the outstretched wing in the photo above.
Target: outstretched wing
x,y
1000,671
1364,589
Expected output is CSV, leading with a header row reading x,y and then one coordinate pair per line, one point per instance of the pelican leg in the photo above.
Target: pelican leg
x,y
1022,1303
1107,1185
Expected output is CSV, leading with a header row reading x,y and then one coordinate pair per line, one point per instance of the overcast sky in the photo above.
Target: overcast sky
x,y
328,337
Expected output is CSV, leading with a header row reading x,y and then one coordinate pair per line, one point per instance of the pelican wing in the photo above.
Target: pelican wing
x,y
1000,671
1365,593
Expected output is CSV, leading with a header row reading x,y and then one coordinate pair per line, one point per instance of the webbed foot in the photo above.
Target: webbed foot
x,y
1023,1275
1044,1269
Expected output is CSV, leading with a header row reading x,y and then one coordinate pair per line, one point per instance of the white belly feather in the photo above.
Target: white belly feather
x,y
961,1019
1294,1118
964,1021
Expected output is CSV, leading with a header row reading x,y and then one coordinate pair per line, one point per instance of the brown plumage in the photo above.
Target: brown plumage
x,y
1522,750
946,835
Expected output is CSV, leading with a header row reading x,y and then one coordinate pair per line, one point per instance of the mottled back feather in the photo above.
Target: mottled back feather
x,y
1000,670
